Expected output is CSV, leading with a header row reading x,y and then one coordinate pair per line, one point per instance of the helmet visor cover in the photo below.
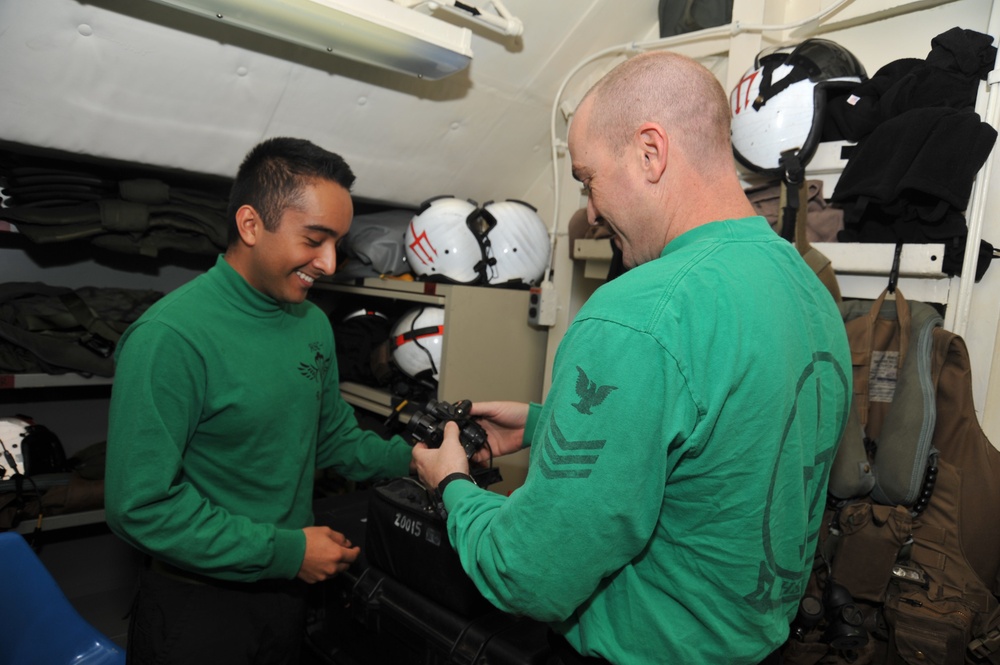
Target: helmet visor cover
x,y
778,104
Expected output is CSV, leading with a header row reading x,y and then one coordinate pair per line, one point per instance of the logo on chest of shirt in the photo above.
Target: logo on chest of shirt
x,y
315,369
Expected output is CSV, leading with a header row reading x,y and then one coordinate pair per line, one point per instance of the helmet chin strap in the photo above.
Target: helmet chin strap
x,y
768,88
793,173
794,219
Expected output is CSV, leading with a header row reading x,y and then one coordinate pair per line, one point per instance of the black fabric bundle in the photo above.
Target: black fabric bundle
x,y
920,145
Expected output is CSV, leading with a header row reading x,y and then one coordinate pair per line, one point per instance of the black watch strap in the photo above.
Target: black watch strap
x,y
450,477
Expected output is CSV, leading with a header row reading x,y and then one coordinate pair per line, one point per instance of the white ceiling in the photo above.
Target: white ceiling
x,y
138,81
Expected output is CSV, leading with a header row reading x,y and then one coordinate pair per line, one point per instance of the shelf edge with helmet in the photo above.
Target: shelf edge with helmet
x,y
489,352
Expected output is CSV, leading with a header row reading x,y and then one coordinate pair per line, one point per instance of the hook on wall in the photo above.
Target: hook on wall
x,y
894,273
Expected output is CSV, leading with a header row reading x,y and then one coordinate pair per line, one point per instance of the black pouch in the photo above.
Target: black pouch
x,y
929,631
872,536
407,538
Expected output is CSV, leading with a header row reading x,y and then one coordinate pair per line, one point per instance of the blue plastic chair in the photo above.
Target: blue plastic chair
x,y
40,626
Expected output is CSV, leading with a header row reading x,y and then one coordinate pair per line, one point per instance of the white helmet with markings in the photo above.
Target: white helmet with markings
x,y
778,105
443,242
517,243
417,338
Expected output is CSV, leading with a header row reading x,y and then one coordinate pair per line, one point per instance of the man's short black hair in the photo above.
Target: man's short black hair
x,y
272,176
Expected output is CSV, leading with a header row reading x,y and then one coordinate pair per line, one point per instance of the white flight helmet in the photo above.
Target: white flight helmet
x,y
33,448
12,434
517,243
417,338
779,103
365,313
443,242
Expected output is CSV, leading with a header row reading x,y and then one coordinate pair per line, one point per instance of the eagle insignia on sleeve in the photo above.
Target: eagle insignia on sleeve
x,y
589,392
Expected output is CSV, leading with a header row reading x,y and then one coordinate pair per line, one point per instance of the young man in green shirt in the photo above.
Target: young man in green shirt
x,y
225,402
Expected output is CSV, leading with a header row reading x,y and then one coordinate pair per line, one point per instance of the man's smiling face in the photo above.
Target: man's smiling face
x,y
609,180
286,262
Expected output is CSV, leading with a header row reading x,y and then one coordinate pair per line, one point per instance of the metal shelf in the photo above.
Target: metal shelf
x,y
367,398
425,292
66,521
51,380
915,260
596,255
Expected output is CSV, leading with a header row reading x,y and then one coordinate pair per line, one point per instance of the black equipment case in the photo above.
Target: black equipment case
x,y
407,538
368,615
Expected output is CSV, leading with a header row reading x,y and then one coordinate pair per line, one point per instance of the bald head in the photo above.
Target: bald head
x,y
671,90
650,143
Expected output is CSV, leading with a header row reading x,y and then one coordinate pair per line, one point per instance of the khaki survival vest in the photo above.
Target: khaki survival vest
x,y
906,570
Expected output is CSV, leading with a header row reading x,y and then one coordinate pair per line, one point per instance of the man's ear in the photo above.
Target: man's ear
x,y
249,225
652,144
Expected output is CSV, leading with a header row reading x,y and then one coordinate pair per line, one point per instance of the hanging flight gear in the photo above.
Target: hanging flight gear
x,y
779,117
907,571
920,144
825,221
781,104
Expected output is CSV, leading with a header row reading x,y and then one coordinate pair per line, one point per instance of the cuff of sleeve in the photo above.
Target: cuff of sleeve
x,y
456,490
400,455
289,551
534,412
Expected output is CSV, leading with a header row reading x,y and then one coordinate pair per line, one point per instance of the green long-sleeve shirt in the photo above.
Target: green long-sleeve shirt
x,y
679,464
225,402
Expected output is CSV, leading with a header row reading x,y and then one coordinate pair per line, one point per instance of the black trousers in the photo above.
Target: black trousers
x,y
181,619
563,654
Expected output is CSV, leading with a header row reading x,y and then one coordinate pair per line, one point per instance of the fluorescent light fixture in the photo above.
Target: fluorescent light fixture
x,y
500,19
378,32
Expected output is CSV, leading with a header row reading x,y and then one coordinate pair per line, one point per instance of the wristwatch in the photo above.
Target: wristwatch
x,y
450,477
